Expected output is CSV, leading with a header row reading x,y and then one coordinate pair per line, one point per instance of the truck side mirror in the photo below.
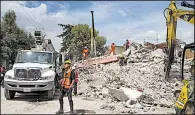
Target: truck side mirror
x,y
60,59
10,64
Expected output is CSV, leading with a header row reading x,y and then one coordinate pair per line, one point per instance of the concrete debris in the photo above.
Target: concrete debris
x,y
118,85
127,52
131,93
118,94
158,53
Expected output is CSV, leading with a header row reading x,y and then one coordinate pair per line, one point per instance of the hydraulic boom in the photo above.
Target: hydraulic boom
x,y
172,16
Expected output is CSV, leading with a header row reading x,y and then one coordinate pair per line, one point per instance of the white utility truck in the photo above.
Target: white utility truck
x,y
34,71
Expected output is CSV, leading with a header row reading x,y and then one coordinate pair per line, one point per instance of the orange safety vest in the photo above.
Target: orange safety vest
x,y
66,81
85,51
112,48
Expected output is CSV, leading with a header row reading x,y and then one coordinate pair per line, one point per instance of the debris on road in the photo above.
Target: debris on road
x,y
116,84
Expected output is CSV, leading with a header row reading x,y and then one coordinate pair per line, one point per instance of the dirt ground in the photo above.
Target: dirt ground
x,y
38,104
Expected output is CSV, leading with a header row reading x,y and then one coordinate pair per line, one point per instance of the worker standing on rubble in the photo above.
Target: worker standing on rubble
x,y
112,48
121,60
66,83
127,44
85,52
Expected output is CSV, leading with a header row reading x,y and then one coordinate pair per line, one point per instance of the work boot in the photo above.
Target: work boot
x,y
60,111
71,107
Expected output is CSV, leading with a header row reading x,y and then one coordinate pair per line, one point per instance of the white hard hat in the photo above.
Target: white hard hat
x,y
73,67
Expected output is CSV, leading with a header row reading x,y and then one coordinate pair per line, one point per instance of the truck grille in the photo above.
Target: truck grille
x,y
27,74
34,73
21,73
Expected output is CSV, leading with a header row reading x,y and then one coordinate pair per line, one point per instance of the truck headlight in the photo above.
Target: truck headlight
x,y
45,78
9,77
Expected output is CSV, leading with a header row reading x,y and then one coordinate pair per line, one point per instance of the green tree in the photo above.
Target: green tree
x,y
9,32
76,37
100,42
14,38
66,36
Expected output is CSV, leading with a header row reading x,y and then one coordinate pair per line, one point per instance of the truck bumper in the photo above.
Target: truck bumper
x,y
28,86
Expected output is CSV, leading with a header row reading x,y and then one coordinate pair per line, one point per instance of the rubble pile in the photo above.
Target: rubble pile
x,y
115,84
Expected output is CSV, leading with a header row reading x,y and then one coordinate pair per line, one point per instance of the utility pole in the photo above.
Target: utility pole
x,y
92,41
93,44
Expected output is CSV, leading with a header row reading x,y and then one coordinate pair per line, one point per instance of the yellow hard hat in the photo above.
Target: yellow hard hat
x,y
67,62
121,56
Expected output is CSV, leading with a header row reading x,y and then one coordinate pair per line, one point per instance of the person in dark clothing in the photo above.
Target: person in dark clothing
x,y
67,83
121,60
127,44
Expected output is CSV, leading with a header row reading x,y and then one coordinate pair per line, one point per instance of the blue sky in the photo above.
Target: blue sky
x,y
116,20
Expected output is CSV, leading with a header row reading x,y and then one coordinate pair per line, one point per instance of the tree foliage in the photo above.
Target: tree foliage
x,y
13,37
75,37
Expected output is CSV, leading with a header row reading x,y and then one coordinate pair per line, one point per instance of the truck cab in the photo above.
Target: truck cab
x,y
33,71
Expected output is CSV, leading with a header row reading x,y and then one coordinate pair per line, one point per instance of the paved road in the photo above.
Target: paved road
x,y
38,104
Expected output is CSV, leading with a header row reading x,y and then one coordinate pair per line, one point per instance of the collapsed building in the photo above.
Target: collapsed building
x,y
138,87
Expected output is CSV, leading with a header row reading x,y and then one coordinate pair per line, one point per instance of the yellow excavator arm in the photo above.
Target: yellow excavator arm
x,y
172,15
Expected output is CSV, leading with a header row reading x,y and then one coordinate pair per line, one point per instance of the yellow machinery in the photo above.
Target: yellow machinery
x,y
172,16
185,100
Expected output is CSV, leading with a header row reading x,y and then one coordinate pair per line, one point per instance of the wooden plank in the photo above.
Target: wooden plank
x,y
98,60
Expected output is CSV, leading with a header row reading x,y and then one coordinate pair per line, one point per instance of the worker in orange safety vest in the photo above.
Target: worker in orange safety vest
x,y
85,52
112,48
67,83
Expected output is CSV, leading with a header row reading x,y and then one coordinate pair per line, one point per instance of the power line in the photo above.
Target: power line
x,y
28,15
36,19
25,16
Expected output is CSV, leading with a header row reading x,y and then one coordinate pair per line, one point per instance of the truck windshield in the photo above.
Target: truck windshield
x,y
34,57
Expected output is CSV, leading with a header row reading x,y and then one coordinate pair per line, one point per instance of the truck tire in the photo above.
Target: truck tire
x,y
9,94
51,93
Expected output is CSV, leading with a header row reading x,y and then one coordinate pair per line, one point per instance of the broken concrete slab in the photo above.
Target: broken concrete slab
x,y
118,94
132,94
146,72
158,53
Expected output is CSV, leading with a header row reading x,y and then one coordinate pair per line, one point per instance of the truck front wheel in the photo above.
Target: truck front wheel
x,y
51,93
9,94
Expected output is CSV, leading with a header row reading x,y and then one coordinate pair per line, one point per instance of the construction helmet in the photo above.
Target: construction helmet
x,y
121,56
85,47
67,62
73,67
